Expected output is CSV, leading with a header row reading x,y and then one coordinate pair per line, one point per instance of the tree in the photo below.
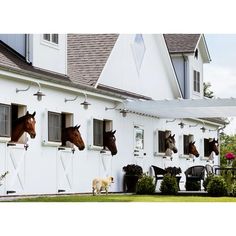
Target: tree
x,y
206,90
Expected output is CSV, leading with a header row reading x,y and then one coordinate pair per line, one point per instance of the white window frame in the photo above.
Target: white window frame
x,y
49,43
7,136
156,142
90,135
196,81
191,139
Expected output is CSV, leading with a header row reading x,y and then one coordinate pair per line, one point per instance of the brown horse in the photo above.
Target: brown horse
x,y
72,135
109,141
170,143
23,124
213,146
192,149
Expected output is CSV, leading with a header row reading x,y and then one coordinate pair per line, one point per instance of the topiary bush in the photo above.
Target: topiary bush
x,y
206,181
169,185
217,187
145,185
193,185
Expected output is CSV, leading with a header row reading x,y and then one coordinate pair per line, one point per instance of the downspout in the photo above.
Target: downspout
x,y
186,92
27,49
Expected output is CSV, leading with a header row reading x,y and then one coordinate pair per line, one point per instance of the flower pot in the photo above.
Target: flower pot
x,y
131,183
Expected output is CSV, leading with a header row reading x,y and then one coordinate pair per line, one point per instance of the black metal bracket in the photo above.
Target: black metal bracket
x,y
10,191
11,144
61,190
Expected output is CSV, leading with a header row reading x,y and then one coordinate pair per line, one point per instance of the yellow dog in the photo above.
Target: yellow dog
x,y
101,184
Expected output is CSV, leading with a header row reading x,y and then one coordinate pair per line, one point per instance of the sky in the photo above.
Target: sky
x,y
221,71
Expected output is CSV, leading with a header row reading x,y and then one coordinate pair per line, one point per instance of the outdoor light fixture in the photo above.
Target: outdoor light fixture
x,y
181,124
85,104
123,111
203,129
39,93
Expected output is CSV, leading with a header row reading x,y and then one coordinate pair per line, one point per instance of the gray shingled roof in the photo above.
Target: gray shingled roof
x,y
181,43
87,55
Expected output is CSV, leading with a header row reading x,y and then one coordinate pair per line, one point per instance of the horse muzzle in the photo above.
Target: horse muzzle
x,y
32,135
175,150
197,155
113,153
81,148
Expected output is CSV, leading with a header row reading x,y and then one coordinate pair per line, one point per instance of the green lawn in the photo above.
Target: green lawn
x,y
127,198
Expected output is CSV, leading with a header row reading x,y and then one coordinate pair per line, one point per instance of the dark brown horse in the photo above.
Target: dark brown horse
x,y
72,135
23,124
109,141
192,149
170,143
213,146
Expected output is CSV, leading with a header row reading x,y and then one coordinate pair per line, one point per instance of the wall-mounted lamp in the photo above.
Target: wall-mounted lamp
x,y
85,104
39,93
181,124
123,111
203,129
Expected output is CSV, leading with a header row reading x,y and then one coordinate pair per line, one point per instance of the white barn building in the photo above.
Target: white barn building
x,y
107,70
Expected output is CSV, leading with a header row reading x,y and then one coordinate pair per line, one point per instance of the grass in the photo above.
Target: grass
x,y
126,198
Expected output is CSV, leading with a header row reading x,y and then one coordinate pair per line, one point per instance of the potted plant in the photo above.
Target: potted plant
x,y
132,174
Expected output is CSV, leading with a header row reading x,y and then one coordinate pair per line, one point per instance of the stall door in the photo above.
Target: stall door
x,y
65,171
15,165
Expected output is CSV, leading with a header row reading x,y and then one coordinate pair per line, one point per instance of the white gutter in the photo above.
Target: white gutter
x,y
12,74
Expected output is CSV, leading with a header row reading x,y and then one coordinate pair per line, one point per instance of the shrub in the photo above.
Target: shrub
x,y
193,185
169,185
133,169
217,187
145,185
206,181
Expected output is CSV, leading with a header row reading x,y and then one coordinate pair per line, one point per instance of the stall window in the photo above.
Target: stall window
x,y
206,148
66,121
161,140
16,112
54,126
5,120
99,126
186,140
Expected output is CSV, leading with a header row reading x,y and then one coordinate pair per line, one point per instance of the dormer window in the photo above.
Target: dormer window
x,y
196,81
52,38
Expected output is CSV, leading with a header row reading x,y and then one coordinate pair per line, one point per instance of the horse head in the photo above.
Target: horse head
x,y
109,141
29,124
170,143
73,135
213,146
193,150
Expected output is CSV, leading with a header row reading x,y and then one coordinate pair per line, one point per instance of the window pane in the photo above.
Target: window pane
x,y
46,37
4,120
139,138
161,141
55,38
97,132
206,148
54,127
186,144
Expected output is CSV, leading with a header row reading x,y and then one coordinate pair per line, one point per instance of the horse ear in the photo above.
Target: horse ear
x,y
75,127
78,127
114,132
27,113
193,142
173,136
34,114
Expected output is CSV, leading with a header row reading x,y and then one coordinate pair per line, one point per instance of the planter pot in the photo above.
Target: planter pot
x,y
131,183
